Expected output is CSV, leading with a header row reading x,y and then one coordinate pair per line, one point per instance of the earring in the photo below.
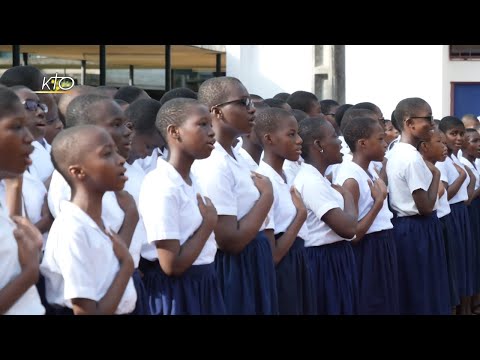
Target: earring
x,y
321,150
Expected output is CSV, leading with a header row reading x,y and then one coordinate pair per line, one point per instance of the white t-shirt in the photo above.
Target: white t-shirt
x,y
283,210
252,165
42,165
29,303
169,209
59,190
227,182
351,170
443,207
319,198
407,172
33,192
449,174
475,172
79,261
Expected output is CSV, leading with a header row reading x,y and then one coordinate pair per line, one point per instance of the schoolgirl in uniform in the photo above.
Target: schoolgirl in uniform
x,y
278,131
413,191
374,245
456,180
87,267
243,199
179,220
331,220
20,241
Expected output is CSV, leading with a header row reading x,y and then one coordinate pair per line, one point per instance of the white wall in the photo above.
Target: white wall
x,y
266,70
386,74
457,71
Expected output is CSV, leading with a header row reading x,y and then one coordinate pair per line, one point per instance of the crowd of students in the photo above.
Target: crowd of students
x,y
222,202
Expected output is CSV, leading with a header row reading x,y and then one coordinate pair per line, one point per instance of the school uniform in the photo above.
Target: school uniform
x,y
291,168
252,165
29,303
375,254
169,209
33,194
331,256
247,279
422,267
461,223
474,214
296,295
149,163
79,261
59,190
42,165
450,238
135,176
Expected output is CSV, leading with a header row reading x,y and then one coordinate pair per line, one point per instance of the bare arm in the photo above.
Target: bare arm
x,y
45,223
233,235
13,187
281,246
29,241
425,200
109,302
343,222
471,185
453,188
127,204
174,258
379,193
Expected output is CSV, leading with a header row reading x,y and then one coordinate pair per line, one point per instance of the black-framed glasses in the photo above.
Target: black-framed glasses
x,y
429,118
247,102
33,105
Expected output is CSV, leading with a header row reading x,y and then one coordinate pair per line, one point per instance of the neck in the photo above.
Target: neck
x,y
454,152
275,161
469,157
90,202
361,161
182,163
224,138
318,164
255,151
410,139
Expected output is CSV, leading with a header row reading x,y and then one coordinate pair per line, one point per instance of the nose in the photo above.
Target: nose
x,y
299,140
28,137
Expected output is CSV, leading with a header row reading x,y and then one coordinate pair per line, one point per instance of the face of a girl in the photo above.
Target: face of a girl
x,y
454,137
331,144
375,144
15,143
390,132
196,133
420,123
286,142
471,145
436,147
36,120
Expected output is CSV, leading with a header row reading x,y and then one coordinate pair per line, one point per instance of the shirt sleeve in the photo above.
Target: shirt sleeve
x,y
317,196
418,175
443,170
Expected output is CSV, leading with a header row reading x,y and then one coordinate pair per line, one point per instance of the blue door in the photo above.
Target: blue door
x,y
466,99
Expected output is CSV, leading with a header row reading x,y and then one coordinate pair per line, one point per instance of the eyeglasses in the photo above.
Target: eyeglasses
x,y
429,118
247,102
33,105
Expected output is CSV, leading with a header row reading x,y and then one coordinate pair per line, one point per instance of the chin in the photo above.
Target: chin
x,y
293,157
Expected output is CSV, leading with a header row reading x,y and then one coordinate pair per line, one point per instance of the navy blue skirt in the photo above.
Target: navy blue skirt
x,y
376,259
195,292
248,279
422,265
296,292
474,213
450,238
141,306
335,277
464,249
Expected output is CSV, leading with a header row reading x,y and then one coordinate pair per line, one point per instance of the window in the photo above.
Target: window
x,y
464,52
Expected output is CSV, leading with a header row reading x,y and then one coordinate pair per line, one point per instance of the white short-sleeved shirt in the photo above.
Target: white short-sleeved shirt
x,y
42,165
29,303
149,163
475,172
477,163
135,176
391,145
319,198
79,261
169,209
59,190
443,207
283,210
252,165
449,174
351,170
33,193
345,150
407,172
227,182
291,168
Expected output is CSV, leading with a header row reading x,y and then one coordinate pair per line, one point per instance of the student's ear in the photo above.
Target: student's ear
x,y
317,144
267,139
408,123
173,131
361,143
216,112
76,171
